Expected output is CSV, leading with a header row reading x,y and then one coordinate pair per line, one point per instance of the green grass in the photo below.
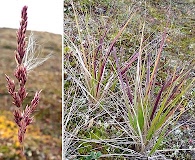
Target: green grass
x,y
140,95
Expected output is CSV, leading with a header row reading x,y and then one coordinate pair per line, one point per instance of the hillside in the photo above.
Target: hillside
x,y
43,139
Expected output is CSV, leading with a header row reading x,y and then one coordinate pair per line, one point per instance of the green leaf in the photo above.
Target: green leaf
x,y
140,118
159,141
98,154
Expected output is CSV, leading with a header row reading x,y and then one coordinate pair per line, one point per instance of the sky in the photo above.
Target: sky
x,y
43,15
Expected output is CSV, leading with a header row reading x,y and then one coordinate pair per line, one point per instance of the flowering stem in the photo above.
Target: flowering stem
x,y
22,117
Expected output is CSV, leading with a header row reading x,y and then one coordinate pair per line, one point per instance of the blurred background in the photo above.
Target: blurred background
x,y
43,137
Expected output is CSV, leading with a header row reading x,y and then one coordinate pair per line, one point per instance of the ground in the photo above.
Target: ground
x,y
179,50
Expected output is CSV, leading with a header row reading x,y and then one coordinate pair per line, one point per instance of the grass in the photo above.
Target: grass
x,y
121,93
47,119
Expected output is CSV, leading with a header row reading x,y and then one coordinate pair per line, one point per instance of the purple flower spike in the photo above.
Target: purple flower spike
x,y
22,117
21,36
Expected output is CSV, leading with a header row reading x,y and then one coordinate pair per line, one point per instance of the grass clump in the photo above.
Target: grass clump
x,y
133,92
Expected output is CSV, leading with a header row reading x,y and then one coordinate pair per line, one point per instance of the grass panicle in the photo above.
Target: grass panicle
x,y
24,56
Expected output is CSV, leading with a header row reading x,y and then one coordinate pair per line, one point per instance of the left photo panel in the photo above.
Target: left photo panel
x,y
31,79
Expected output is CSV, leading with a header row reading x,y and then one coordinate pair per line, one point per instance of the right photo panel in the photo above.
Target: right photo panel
x,y
128,80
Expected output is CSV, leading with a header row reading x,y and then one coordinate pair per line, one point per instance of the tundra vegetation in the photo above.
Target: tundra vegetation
x,y
128,80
